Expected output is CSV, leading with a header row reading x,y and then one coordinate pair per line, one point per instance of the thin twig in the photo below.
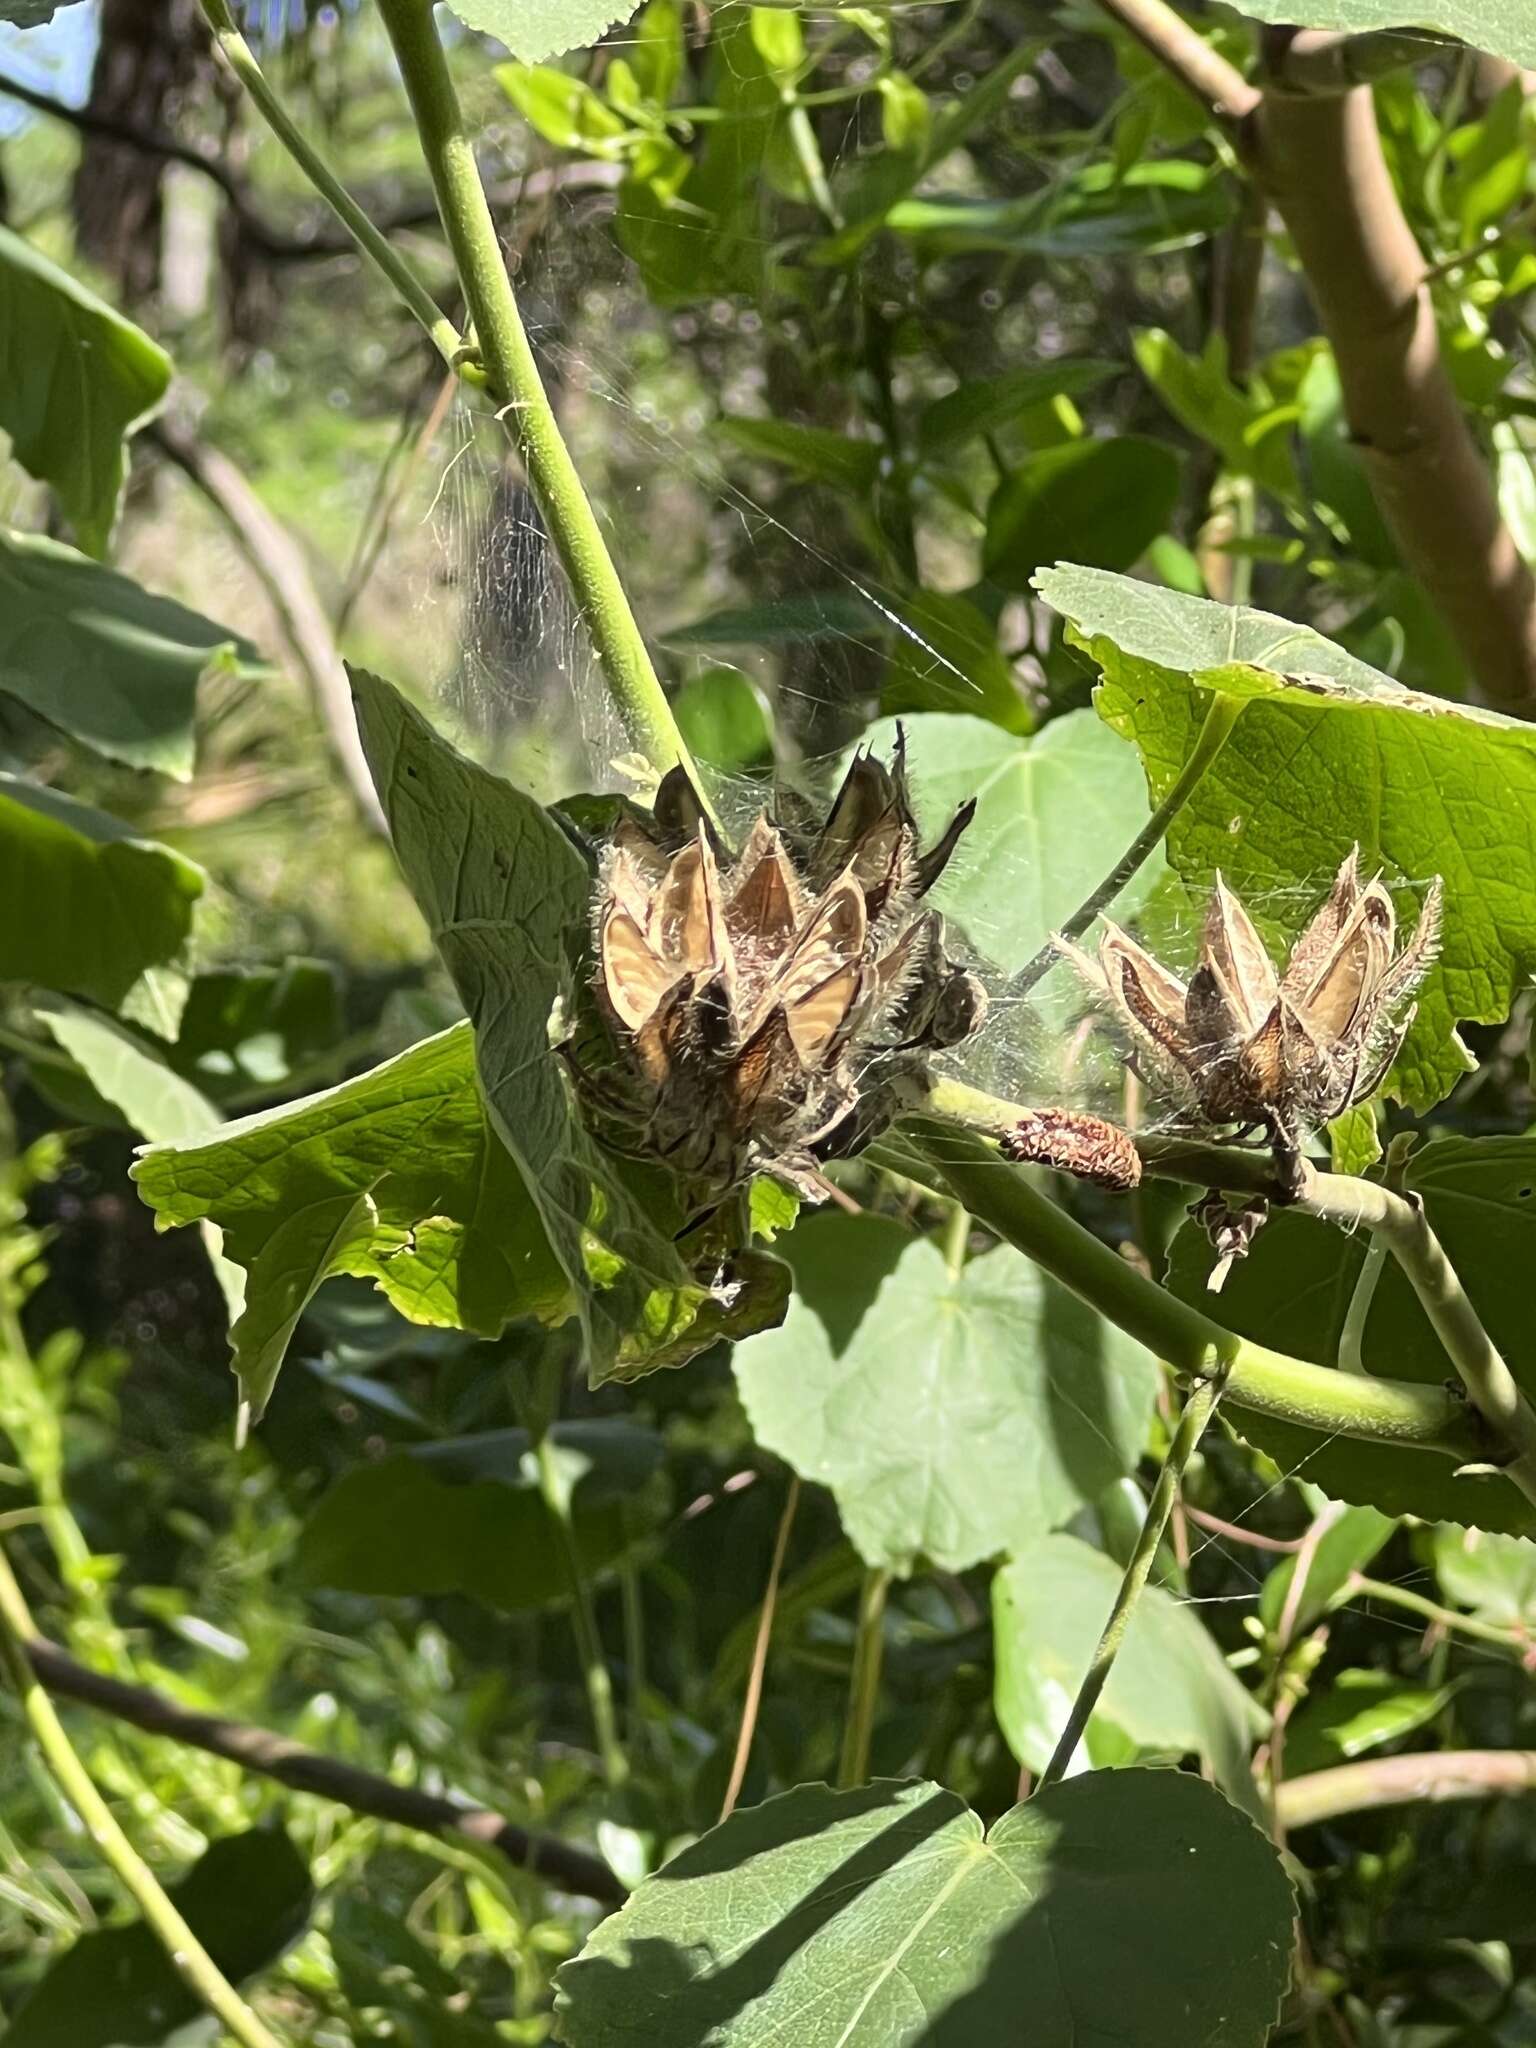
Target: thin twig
x,y
306,1770
1198,1410
754,1693
1234,1532
191,1961
1219,86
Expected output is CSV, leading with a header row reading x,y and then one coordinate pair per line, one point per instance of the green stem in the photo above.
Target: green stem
x,y
1269,1383
1357,1587
1220,717
514,377
537,1415
193,1964
864,1687
1198,1411
241,59
957,1235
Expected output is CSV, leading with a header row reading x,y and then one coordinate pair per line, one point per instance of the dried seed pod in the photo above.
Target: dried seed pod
x,y
1075,1142
765,1004
1282,1052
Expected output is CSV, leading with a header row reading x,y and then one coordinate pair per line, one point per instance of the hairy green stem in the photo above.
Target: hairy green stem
x,y
1412,1416
1220,716
241,59
515,380
196,1968
1198,1410
864,1686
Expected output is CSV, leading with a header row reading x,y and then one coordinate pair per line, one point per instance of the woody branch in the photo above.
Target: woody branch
x,y
1308,137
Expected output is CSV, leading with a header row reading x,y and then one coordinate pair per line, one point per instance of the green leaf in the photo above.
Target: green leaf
x,y
1506,28
1160,205
1244,427
1354,1141
246,1899
723,718
395,1177
1315,764
1050,812
132,1076
507,898
986,404
564,110
244,1028
947,659
1358,1712
467,1517
658,54
76,379
1293,1292
102,658
1493,1575
91,908
1101,502
1170,1693
1118,1907
815,453
29,13
953,1416
535,29
383,1969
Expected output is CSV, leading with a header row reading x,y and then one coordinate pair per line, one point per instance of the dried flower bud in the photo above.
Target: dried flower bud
x,y
1245,1044
764,1004
1077,1143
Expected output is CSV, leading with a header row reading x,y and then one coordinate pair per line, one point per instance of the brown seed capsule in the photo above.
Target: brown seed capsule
x,y
1284,1052
764,1004
1075,1142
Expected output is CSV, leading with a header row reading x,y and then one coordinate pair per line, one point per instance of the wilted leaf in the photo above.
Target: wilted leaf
x,y
1170,1692
954,1416
76,379
1123,1906
90,907
395,1176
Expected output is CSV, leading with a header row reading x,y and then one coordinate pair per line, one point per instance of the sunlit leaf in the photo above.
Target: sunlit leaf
x,y
1328,752
1170,1693
954,1416
1504,27
103,659
76,379
395,1176
91,908
535,29
1123,1906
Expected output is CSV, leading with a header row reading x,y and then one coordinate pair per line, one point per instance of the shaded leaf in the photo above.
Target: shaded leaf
x,y
1316,722
815,453
91,907
1124,1906
1358,1712
1170,1693
947,659
395,1176
76,379
102,658
983,405
722,716
1294,1289
246,1899
1101,502
959,1415
784,621
468,1517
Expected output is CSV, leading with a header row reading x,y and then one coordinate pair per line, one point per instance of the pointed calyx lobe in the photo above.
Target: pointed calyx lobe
x,y
765,1004
1246,1044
